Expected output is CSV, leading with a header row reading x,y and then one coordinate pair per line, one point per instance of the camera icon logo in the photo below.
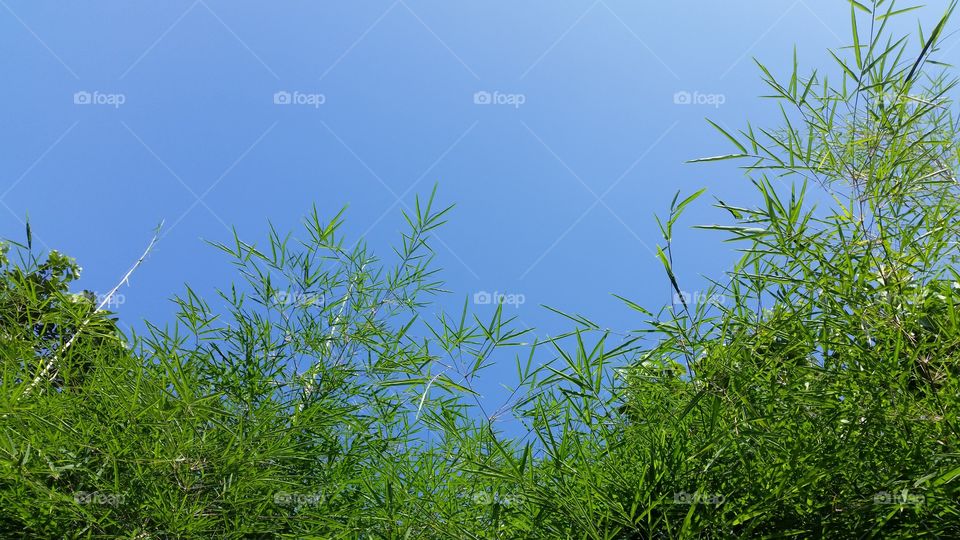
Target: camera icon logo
x,y
683,98
482,298
282,98
82,98
482,98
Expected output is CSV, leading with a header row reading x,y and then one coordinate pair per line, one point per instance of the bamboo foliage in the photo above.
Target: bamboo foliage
x,y
811,391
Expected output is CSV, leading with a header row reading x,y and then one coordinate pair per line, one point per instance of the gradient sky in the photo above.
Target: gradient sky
x,y
555,184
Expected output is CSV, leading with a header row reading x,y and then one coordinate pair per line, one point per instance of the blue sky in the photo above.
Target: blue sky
x,y
554,127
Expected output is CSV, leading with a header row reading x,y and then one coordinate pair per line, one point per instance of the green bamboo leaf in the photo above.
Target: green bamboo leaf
x,y
856,36
414,381
853,75
718,158
897,12
679,208
947,477
728,136
736,212
633,305
858,5
733,228
927,47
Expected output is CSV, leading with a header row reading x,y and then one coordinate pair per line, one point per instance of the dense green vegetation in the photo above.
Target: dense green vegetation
x,y
820,399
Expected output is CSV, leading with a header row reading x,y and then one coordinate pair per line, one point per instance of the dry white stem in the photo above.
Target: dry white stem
x,y
308,388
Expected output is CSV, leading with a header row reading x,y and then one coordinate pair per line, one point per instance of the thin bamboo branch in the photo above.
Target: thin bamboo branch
x,y
48,367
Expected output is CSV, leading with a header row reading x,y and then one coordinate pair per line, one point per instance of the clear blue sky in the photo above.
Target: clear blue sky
x,y
555,183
